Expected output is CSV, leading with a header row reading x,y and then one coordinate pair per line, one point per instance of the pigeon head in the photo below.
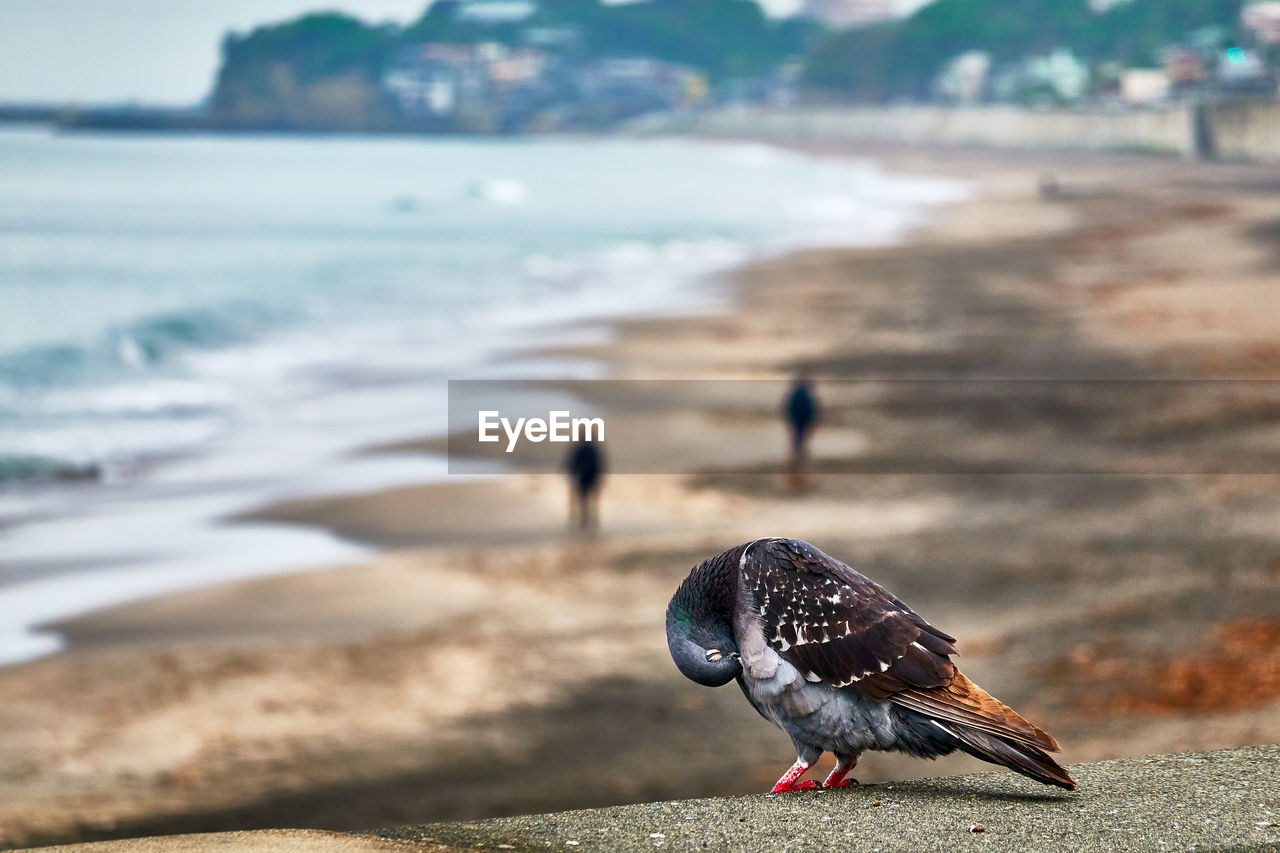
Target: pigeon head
x,y
699,624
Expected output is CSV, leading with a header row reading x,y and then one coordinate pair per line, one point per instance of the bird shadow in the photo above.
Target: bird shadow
x,y
942,788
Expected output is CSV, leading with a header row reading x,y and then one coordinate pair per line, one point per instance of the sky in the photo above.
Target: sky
x,y
151,51
162,52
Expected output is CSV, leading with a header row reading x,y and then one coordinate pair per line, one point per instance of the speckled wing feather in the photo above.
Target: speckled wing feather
x,y
837,626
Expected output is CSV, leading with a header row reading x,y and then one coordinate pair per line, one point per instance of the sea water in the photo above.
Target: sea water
x,y
193,326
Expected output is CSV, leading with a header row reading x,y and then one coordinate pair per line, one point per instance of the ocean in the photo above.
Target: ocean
x,y
195,326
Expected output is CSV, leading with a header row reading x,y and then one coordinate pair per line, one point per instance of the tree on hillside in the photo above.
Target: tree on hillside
x,y
326,70
1135,32
442,23
272,64
315,45
901,58
726,38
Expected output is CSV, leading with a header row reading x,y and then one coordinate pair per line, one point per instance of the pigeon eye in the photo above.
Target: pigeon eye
x,y
713,655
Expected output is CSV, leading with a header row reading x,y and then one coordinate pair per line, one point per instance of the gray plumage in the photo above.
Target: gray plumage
x,y
839,664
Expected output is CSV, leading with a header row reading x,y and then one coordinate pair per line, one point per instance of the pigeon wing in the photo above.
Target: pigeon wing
x,y
840,627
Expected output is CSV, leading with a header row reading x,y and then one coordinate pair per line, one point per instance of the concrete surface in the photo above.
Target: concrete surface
x,y
273,840
1225,800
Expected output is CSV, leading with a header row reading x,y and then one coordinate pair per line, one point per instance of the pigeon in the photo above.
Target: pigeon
x,y
840,664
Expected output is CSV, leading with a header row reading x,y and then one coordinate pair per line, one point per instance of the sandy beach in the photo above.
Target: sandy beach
x,y
1109,557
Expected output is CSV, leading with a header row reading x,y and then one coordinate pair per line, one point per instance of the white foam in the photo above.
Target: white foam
x,y
148,396
282,415
499,190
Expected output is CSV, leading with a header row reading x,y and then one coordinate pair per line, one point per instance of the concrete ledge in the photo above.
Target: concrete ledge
x,y
1225,800
1168,130
1235,129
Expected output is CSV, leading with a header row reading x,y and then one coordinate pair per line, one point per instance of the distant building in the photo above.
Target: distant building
x,y
496,11
1144,86
439,80
1263,20
1065,75
850,13
492,87
430,79
618,87
1057,77
1185,66
564,38
1245,72
964,79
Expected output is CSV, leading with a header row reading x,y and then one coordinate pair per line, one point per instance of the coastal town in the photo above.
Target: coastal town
x,y
543,82
510,66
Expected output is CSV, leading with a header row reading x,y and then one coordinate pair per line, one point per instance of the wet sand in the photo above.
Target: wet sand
x,y
491,663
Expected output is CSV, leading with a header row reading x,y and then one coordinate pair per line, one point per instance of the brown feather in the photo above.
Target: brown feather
x,y
967,704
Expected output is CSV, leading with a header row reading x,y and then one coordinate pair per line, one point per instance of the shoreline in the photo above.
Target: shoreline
x,y
699,285
357,516
380,693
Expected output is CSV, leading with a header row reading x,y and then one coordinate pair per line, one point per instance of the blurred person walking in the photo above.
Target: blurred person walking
x,y
585,466
800,408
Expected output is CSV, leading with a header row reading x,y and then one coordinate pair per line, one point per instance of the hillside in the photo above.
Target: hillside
x,y
900,59
326,70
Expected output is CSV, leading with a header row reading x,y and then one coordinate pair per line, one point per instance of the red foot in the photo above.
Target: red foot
x,y
836,779
788,781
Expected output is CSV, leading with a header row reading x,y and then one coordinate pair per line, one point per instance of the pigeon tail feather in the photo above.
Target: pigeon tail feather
x,y
967,704
1019,757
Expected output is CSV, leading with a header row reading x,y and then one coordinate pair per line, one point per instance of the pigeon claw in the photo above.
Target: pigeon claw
x,y
802,785
843,783
844,766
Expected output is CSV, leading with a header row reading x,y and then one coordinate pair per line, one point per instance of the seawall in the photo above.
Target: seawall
x,y
1236,130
